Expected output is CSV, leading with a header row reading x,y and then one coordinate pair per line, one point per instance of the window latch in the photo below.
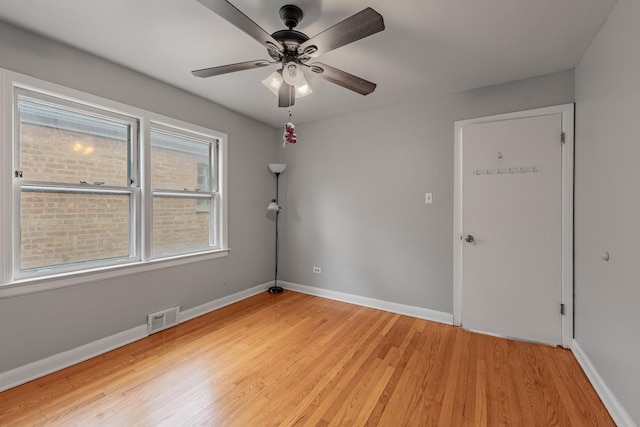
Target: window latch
x,y
18,174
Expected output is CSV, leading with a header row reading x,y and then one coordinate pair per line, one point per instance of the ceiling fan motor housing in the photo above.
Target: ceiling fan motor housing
x,y
290,40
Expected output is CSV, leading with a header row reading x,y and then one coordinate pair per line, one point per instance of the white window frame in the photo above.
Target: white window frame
x,y
20,185
12,284
212,194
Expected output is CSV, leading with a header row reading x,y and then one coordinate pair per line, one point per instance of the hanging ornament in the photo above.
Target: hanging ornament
x,y
289,136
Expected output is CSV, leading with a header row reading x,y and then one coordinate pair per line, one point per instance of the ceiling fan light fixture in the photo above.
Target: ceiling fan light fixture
x,y
303,89
274,81
292,73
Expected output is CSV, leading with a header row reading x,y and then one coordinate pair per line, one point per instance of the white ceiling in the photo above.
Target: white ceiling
x,y
429,47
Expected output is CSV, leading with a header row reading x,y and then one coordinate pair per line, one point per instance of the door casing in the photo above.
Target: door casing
x,y
567,113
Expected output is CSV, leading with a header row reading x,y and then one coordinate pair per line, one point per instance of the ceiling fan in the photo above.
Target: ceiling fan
x,y
295,50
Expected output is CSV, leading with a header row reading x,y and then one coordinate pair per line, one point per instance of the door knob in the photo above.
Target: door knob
x,y
469,238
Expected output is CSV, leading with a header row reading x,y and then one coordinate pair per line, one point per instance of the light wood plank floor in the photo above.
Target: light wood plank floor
x,y
293,359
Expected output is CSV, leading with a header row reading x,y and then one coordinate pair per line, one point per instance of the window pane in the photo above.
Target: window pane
x,y
180,163
62,228
67,146
180,223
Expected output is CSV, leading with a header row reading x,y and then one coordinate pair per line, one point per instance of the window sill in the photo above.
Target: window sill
x,y
41,284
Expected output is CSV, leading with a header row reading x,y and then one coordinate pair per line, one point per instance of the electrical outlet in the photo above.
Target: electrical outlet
x,y
317,270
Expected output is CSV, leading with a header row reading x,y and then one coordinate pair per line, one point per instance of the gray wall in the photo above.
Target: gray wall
x,y
354,193
39,325
607,204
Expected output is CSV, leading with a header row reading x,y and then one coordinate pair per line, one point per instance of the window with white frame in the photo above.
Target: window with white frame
x,y
184,193
80,199
75,186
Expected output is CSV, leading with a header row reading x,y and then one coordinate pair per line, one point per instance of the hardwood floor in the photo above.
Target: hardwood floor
x,y
292,359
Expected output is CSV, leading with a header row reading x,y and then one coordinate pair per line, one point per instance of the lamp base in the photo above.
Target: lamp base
x,y
275,290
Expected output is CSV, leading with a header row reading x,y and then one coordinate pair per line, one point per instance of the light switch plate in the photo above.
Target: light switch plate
x,y
428,198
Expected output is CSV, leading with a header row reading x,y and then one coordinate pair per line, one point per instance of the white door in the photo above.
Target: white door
x,y
512,208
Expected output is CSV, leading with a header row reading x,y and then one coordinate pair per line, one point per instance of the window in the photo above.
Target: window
x,y
76,185
184,194
98,184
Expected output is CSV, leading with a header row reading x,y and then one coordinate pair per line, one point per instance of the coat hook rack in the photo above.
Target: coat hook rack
x,y
506,171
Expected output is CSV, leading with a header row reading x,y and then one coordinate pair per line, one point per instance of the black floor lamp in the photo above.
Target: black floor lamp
x,y
277,169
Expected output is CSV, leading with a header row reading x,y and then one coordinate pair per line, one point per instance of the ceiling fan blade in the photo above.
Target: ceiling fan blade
x,y
342,78
231,68
286,95
234,16
361,25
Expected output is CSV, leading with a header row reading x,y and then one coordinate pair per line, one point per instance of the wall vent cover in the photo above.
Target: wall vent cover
x,y
162,319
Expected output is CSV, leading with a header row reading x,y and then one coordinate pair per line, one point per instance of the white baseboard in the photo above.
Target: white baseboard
x,y
407,310
40,368
194,312
67,358
611,402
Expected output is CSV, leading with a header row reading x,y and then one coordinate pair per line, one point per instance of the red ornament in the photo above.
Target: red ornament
x,y
289,136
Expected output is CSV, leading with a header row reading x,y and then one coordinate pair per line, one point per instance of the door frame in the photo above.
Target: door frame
x,y
567,117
